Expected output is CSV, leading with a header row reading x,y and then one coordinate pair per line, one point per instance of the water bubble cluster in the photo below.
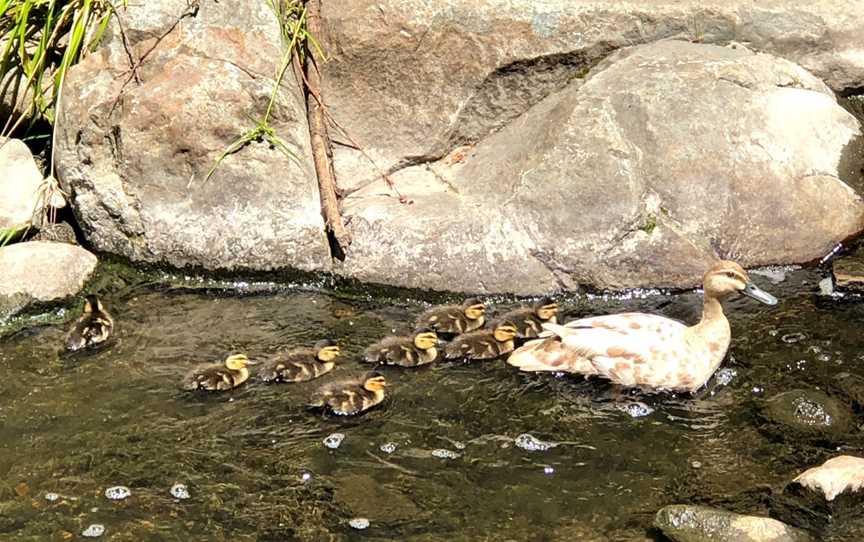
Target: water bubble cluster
x,y
359,523
725,376
52,497
117,493
791,338
180,491
94,531
531,443
636,409
811,412
388,447
334,441
441,453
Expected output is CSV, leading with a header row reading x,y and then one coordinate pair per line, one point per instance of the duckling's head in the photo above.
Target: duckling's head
x,y
504,331
236,362
374,381
473,308
92,304
425,338
545,308
727,277
326,350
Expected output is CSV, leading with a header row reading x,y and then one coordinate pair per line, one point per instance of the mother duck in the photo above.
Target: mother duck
x,y
645,350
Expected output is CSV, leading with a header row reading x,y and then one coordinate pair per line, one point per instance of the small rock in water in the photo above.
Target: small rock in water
x,y
636,410
725,376
531,443
826,286
117,493
52,497
388,447
359,523
180,491
441,453
334,441
94,531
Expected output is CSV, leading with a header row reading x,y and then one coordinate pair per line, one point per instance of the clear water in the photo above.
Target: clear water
x,y
255,467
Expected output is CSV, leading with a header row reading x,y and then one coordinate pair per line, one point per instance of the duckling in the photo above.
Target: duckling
x,y
350,397
93,328
484,343
455,319
528,320
301,364
645,350
418,349
218,376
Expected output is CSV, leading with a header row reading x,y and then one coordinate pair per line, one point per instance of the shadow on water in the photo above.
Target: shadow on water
x,y
256,468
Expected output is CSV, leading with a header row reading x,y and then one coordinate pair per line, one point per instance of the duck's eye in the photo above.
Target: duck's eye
x,y
730,275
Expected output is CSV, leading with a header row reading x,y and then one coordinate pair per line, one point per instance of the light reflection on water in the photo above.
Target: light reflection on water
x,y
256,468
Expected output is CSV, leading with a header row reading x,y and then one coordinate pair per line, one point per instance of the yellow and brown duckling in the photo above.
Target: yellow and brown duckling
x,y
350,397
218,376
412,351
529,320
301,364
93,328
483,343
455,319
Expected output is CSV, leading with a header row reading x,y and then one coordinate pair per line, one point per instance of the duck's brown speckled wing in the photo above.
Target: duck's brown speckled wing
x,y
632,349
342,398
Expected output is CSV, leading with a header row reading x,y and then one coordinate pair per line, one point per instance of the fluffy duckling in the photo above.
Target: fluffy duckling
x,y
301,364
418,349
93,328
529,320
350,397
484,343
454,319
645,350
218,376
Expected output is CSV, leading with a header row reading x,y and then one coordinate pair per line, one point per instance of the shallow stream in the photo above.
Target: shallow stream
x,y
256,467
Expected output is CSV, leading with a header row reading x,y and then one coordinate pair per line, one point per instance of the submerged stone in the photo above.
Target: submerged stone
x,y
686,523
808,412
848,271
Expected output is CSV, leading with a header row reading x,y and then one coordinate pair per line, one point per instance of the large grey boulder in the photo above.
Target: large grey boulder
x,y
666,156
133,147
41,271
688,523
412,79
19,183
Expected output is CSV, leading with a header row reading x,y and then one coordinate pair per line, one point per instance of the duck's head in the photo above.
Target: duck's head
x,y
726,278
504,331
374,381
326,350
545,308
473,308
236,362
425,338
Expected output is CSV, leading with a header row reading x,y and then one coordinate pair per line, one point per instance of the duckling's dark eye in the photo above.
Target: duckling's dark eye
x,y
730,275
